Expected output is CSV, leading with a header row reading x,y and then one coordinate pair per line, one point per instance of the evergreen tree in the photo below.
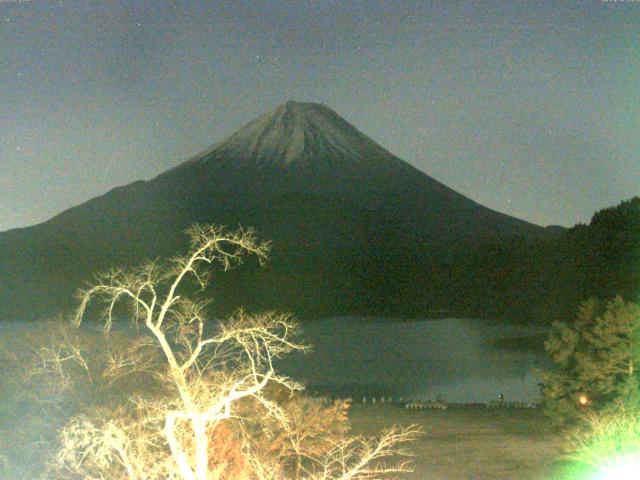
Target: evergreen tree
x,y
597,360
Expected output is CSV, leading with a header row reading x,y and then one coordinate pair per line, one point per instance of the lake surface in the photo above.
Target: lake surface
x,y
460,360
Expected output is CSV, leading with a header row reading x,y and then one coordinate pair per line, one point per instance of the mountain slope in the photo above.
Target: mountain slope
x,y
355,229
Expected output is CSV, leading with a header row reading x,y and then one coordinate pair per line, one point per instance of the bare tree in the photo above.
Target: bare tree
x,y
204,373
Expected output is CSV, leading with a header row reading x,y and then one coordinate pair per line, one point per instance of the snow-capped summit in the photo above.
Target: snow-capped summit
x,y
299,134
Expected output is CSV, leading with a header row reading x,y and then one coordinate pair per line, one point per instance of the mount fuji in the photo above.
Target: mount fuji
x,y
355,229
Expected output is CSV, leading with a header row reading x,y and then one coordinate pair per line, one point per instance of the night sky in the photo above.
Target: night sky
x,y
531,108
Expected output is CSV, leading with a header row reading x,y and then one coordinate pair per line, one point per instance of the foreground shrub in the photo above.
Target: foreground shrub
x,y
606,442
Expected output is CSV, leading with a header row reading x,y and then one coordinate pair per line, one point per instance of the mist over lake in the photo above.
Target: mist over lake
x,y
461,360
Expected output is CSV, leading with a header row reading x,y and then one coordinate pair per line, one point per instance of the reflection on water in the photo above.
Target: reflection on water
x,y
460,360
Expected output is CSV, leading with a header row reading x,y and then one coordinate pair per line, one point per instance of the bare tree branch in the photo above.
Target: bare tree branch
x,y
207,373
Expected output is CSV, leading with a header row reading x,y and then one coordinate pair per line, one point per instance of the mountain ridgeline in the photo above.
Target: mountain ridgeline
x,y
355,230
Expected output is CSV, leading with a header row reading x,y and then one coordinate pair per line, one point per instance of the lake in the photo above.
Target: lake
x,y
459,360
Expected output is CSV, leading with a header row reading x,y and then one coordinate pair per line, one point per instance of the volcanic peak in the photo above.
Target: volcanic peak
x,y
294,133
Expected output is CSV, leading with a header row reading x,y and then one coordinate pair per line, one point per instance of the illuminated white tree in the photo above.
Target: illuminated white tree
x,y
205,373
